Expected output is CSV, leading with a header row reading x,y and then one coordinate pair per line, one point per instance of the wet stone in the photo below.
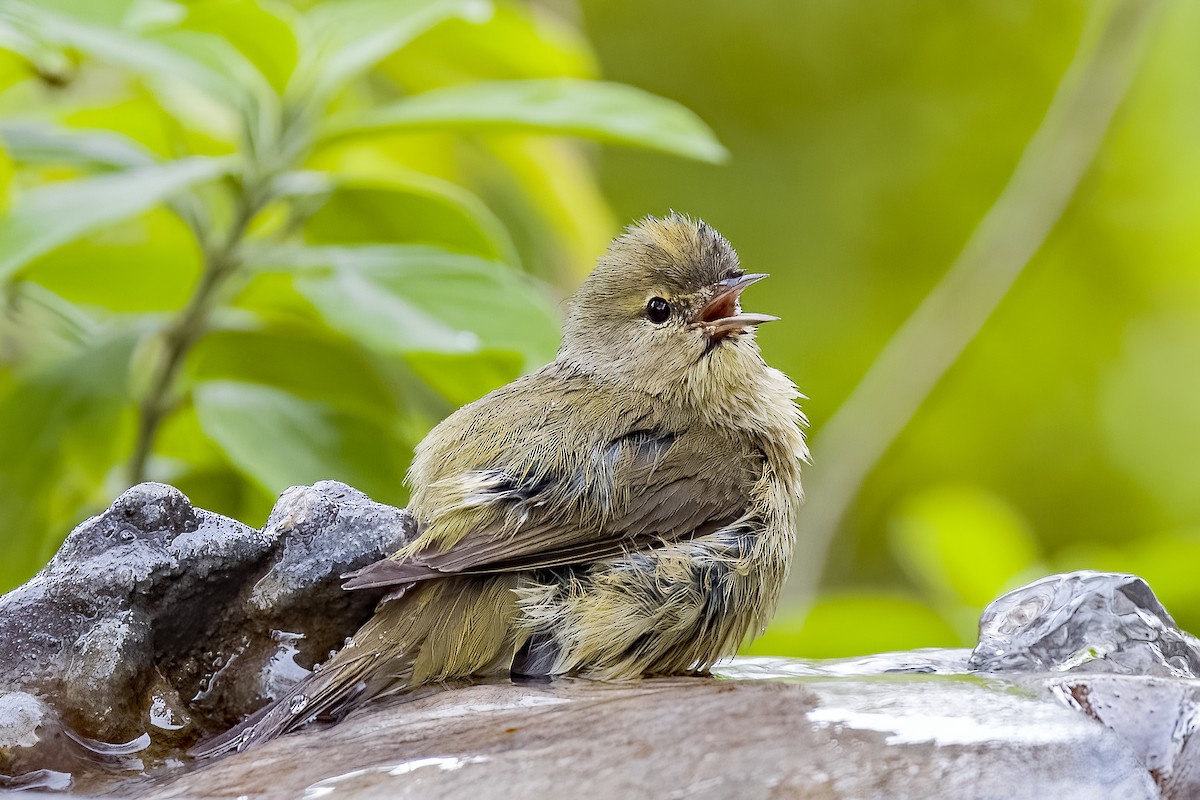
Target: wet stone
x,y
294,612
1115,654
772,737
1159,719
325,530
158,624
28,728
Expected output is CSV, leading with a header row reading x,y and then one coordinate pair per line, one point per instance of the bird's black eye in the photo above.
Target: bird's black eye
x,y
657,310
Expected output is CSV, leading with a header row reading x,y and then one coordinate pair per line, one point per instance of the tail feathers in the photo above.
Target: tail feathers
x,y
337,688
389,572
378,660
433,633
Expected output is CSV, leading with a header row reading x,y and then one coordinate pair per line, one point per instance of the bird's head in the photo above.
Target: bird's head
x,y
662,311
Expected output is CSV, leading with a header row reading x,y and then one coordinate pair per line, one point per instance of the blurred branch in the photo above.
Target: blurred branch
x,y
1014,229
220,262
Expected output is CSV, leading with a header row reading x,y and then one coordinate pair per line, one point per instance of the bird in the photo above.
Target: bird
x,y
627,510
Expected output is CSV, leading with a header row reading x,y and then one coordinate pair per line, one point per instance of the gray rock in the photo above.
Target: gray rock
x,y
28,730
325,529
1084,622
910,736
292,614
157,623
87,629
1158,718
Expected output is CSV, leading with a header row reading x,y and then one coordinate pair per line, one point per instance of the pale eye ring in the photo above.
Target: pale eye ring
x,y
658,310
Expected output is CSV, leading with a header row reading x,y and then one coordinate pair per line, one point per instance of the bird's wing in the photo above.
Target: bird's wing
x,y
640,489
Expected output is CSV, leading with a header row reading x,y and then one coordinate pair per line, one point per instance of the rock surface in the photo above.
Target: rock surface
x,y
914,737
158,624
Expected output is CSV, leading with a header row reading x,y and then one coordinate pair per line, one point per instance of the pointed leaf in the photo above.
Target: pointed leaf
x,y
409,207
262,32
146,264
411,299
279,440
351,37
53,215
306,362
222,78
63,421
605,112
51,144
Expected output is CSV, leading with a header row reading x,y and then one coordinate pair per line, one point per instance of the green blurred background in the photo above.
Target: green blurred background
x,y
254,244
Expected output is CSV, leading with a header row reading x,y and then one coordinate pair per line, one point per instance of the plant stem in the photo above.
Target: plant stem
x,y
1056,159
220,263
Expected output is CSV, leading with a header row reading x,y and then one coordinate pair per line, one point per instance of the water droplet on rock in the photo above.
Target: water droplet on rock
x,y
161,715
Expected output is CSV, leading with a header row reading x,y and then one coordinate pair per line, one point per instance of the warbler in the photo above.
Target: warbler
x,y
627,510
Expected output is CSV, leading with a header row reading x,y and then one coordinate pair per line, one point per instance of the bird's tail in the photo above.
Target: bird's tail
x,y
436,631
331,691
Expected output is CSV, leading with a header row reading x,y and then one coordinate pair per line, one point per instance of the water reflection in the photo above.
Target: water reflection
x,y
360,779
931,661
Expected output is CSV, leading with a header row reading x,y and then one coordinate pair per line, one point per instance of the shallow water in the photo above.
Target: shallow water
x,y
932,661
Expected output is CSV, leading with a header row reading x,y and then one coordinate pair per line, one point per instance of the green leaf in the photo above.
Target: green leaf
x,y
51,144
53,215
108,12
140,118
517,43
544,190
464,378
220,77
64,423
605,112
279,440
237,78
262,32
351,37
271,297
15,63
38,326
145,264
411,208
301,361
412,299
7,171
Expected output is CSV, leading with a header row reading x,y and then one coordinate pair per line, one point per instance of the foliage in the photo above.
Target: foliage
x,y
250,244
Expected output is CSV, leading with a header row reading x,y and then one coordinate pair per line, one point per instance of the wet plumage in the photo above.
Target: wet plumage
x,y
626,510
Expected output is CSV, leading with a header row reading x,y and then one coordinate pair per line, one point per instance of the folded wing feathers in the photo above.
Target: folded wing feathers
x,y
573,519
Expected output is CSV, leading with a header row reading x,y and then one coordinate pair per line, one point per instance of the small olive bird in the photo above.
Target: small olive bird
x,y
626,510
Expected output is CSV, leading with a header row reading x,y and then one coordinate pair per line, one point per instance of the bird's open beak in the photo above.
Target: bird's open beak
x,y
723,314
